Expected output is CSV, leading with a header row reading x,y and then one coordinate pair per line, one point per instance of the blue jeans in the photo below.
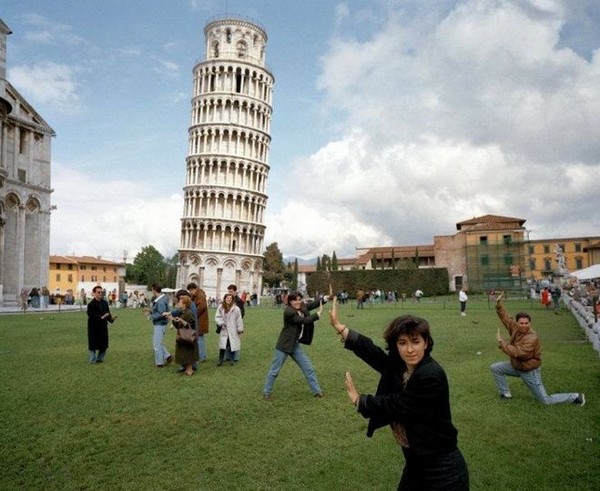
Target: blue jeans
x,y
201,348
532,379
160,352
301,360
96,357
232,355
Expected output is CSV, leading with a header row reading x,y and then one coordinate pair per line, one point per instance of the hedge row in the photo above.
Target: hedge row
x,y
432,281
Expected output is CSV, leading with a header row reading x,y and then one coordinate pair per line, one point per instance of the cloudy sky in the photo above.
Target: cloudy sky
x,y
393,119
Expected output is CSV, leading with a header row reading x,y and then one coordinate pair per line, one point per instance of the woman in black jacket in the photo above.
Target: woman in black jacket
x,y
298,327
413,399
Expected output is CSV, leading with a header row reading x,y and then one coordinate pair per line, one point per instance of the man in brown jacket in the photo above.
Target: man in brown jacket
x,y
199,298
525,352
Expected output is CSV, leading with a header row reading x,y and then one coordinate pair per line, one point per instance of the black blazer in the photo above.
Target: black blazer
x,y
423,407
295,324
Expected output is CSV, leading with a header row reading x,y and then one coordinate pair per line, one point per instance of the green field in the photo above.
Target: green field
x,y
127,425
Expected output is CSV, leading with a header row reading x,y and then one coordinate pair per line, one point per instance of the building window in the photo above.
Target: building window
x,y
70,278
82,268
546,249
241,49
547,264
82,278
104,269
531,249
483,240
114,279
228,35
562,247
57,276
58,266
22,141
578,263
508,259
485,260
93,278
532,264
458,282
507,239
70,267
577,247
22,176
93,268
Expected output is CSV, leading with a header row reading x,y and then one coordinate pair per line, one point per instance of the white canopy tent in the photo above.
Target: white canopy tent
x,y
589,273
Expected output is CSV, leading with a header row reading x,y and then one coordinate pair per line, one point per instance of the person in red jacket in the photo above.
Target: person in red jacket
x,y
525,352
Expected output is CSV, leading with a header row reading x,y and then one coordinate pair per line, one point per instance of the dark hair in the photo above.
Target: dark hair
x,y
407,325
156,287
192,286
232,287
293,296
521,315
224,305
181,293
97,287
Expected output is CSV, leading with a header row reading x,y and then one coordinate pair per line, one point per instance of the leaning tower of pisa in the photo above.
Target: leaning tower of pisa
x,y
222,229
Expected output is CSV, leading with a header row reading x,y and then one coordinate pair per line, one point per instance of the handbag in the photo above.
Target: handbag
x,y
186,335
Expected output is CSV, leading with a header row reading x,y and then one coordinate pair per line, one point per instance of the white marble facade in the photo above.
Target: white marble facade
x,y
25,145
222,229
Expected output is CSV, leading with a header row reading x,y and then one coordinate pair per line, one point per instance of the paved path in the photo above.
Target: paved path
x,y
51,308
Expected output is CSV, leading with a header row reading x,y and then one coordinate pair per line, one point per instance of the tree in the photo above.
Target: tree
x,y
319,267
171,271
334,262
274,270
294,282
148,267
325,263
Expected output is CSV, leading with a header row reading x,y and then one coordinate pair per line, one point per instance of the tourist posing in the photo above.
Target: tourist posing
x,y
463,298
298,327
185,354
199,299
99,316
158,316
412,398
525,352
230,327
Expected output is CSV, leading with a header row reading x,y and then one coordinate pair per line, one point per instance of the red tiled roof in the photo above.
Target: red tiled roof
x,y
490,222
62,260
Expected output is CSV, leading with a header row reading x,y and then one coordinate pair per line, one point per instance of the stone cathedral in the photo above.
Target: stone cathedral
x,y
25,165
222,229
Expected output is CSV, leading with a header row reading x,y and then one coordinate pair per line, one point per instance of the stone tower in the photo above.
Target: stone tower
x,y
222,229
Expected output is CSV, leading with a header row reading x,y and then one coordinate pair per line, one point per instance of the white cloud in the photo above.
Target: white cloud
x,y
45,31
478,112
48,83
111,216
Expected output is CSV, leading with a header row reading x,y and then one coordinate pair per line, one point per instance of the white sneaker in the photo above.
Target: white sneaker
x,y
463,313
580,401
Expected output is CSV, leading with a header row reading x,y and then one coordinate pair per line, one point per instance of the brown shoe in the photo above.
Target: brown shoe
x,y
319,395
268,397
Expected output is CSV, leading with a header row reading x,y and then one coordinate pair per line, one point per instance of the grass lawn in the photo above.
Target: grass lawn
x,y
127,425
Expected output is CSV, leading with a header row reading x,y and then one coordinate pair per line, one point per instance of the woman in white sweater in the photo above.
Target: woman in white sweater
x,y
230,327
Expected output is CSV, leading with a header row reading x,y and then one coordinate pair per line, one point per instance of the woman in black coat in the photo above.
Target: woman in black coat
x,y
413,399
298,327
